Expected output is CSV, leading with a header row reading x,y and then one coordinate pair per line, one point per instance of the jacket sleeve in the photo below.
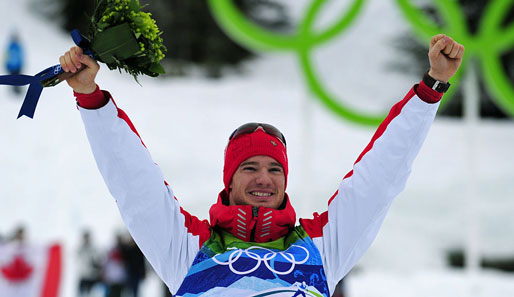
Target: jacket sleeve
x,y
357,209
167,235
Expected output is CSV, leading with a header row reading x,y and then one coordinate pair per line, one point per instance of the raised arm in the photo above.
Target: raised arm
x,y
358,208
168,236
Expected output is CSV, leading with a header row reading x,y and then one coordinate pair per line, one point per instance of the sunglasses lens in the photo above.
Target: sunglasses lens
x,y
251,127
246,128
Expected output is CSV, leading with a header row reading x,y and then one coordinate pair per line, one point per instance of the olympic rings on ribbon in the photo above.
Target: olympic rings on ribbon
x,y
236,254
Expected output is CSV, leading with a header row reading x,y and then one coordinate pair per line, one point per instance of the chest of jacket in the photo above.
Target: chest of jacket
x,y
228,266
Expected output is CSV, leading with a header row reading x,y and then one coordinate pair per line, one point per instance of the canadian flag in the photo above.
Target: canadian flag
x,y
29,270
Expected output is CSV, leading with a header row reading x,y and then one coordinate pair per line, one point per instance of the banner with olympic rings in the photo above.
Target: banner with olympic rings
x,y
487,46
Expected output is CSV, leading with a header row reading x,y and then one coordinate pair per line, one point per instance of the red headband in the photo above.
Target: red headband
x,y
248,145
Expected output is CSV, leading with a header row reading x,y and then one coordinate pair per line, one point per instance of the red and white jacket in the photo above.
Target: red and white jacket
x,y
171,238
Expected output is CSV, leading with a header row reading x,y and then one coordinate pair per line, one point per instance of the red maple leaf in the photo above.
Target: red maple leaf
x,y
18,270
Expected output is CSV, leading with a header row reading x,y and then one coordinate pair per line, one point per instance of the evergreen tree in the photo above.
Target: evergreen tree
x,y
411,47
74,14
192,35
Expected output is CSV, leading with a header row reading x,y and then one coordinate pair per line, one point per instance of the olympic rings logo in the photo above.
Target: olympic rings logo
x,y
487,46
266,259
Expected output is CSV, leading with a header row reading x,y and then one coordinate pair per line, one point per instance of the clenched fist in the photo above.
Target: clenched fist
x,y
445,57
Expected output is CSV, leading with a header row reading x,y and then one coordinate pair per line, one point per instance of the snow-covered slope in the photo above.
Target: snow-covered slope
x,y
49,181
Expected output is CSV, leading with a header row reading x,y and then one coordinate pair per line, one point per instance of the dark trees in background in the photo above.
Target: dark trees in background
x,y
73,14
190,32
457,258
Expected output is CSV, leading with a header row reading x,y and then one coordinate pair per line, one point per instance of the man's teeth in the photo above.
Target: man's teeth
x,y
261,194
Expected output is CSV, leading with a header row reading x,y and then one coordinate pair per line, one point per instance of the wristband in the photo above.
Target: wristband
x,y
435,84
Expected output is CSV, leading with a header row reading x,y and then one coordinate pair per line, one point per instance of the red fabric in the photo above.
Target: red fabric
x,y
426,94
115,255
252,144
18,270
270,224
53,273
94,100
196,227
314,226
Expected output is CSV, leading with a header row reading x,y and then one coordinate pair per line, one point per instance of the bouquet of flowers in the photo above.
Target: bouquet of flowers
x,y
124,37
121,35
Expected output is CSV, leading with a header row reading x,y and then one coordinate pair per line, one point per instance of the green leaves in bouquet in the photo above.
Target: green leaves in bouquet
x,y
124,37
115,43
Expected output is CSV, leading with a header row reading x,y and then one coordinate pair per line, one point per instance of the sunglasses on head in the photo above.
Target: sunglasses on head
x,y
251,127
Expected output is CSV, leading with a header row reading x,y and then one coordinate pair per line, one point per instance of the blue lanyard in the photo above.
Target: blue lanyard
x,y
46,78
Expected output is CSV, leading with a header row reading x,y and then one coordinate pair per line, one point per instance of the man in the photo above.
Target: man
x,y
135,265
14,58
88,264
114,269
251,245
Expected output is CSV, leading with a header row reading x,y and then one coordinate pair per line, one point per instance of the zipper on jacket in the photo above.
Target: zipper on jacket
x,y
255,214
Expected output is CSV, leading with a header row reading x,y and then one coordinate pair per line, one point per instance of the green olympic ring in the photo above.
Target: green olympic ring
x,y
486,46
303,41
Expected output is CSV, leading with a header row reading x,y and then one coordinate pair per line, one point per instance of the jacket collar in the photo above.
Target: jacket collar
x,y
249,223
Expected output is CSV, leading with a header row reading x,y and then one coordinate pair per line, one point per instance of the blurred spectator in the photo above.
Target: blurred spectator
x,y
14,57
18,236
114,271
88,263
135,264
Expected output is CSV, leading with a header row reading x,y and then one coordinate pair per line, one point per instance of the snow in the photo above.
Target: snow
x,y
50,183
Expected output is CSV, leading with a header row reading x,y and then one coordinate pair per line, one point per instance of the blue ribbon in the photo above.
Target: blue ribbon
x,y
36,82
32,97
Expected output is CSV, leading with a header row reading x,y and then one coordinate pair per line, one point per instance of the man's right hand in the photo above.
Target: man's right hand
x,y
84,67
445,57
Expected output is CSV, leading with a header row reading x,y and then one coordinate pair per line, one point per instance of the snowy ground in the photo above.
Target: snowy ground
x,y
48,179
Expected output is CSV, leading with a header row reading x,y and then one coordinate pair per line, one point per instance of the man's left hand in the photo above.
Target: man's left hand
x,y
445,57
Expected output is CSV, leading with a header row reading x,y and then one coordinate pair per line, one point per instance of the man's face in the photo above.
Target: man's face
x,y
258,181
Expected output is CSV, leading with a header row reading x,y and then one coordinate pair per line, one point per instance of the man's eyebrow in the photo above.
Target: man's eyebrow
x,y
257,163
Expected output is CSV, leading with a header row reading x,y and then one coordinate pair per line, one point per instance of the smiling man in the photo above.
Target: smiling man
x,y
258,181
252,246
255,168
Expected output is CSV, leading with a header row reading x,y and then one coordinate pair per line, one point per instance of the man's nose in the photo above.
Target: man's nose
x,y
263,177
